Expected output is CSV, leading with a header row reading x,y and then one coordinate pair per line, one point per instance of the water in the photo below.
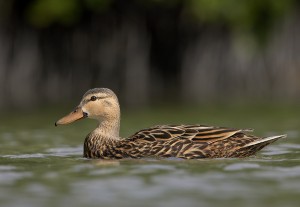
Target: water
x,y
41,165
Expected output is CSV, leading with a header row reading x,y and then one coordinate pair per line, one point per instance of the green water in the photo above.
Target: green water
x,y
42,165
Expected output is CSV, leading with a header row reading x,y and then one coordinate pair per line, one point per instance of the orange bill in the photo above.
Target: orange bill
x,y
75,115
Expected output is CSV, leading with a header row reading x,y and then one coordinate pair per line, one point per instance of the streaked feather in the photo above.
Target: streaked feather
x,y
184,141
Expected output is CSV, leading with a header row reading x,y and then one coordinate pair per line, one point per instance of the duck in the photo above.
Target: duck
x,y
163,141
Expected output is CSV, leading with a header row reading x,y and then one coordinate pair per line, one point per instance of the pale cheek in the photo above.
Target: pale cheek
x,y
93,111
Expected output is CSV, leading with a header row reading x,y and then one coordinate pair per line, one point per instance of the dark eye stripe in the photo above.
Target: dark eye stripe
x,y
94,99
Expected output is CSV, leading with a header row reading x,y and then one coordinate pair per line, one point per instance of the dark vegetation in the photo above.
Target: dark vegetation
x,y
149,51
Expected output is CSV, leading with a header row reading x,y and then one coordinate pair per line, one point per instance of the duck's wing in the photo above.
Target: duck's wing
x,y
195,133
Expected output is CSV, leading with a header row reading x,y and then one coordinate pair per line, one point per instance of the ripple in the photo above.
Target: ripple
x,y
7,168
241,166
279,172
65,151
281,149
153,168
291,146
24,156
54,152
11,177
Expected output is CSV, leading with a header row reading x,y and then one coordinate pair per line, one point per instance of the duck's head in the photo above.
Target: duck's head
x,y
98,103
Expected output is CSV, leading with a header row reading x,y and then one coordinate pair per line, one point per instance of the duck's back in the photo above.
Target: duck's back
x,y
192,142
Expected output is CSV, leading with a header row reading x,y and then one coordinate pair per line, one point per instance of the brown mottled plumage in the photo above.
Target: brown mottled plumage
x,y
182,141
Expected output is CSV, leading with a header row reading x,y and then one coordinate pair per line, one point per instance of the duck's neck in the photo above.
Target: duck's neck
x,y
103,137
109,128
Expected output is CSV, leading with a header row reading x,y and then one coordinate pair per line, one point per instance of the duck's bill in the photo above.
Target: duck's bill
x,y
75,115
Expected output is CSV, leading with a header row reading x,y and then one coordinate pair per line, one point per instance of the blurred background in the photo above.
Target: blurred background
x,y
215,62
150,51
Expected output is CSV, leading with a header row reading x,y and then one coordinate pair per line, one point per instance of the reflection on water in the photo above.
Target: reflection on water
x,y
44,167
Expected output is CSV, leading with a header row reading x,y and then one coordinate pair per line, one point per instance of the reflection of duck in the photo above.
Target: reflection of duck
x,y
183,141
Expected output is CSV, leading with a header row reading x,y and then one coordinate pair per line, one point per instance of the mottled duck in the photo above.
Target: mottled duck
x,y
181,141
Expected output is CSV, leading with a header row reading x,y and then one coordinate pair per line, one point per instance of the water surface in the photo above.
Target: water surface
x,y
41,165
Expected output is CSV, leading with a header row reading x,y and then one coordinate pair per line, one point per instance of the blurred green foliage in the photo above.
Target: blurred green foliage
x,y
98,5
253,17
43,13
239,13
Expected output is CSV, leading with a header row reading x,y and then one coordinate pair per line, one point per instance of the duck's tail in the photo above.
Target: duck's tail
x,y
256,145
265,141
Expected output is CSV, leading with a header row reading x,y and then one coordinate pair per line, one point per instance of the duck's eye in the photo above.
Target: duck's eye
x,y
93,98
